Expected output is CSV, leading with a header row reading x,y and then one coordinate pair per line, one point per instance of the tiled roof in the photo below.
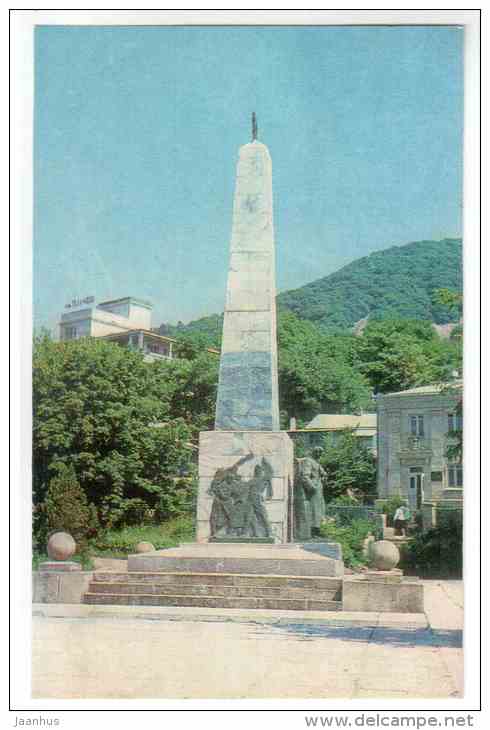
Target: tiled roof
x,y
456,386
337,422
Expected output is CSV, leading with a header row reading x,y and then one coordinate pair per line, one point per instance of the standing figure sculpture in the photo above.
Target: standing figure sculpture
x,y
228,509
260,486
309,503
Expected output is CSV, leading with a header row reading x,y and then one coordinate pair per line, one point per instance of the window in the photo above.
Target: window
x,y
417,425
454,422
70,333
455,475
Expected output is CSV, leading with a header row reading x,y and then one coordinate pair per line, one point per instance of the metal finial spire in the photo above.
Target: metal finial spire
x,y
254,127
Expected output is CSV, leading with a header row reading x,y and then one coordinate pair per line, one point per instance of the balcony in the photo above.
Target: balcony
x,y
415,444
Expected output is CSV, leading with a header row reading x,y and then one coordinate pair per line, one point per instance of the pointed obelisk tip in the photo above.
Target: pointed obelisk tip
x,y
254,127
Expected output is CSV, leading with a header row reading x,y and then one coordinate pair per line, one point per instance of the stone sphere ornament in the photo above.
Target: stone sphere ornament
x,y
384,555
61,546
144,547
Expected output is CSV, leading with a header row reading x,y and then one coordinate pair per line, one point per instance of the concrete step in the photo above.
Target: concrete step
x,y
310,559
203,589
150,599
221,579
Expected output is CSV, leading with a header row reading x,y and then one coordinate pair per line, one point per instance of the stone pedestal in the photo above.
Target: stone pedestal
x,y
222,449
59,566
384,591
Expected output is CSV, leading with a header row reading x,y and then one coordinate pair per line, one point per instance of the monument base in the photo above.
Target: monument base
x,y
245,559
220,450
243,540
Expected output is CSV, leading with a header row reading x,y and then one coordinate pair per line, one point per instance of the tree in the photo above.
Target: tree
x,y
317,372
66,508
349,465
398,354
128,428
449,298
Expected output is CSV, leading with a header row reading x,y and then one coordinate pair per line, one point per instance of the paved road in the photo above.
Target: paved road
x,y
107,652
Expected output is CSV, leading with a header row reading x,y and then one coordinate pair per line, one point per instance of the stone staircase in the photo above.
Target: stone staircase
x,y
215,590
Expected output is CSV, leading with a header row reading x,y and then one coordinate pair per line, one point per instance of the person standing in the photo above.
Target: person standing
x,y
401,518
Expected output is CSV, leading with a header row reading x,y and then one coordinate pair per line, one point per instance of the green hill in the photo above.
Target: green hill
x,y
397,282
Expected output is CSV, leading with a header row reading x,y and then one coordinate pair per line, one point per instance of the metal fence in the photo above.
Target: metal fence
x,y
344,515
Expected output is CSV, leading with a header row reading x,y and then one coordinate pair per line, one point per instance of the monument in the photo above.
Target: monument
x,y
246,463
249,490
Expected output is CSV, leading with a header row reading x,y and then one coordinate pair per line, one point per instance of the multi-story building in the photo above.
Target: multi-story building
x,y
415,428
126,321
86,319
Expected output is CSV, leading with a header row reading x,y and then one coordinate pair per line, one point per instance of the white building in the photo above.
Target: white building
x,y
113,317
415,427
126,321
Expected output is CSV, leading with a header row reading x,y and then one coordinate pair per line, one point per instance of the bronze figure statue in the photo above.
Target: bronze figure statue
x,y
255,128
309,502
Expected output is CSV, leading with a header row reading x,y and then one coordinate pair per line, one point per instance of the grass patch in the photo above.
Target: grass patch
x,y
350,537
122,542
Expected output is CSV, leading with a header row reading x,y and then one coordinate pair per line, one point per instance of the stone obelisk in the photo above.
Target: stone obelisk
x,y
248,391
247,454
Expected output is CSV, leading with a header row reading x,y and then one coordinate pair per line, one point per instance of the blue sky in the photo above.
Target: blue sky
x,y
136,138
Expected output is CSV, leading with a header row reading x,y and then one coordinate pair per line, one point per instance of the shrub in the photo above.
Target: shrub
x,y
438,551
179,499
351,538
124,540
66,508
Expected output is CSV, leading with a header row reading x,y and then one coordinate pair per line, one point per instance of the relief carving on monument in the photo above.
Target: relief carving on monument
x,y
238,509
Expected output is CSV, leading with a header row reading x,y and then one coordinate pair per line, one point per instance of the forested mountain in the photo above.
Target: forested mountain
x,y
398,282
395,283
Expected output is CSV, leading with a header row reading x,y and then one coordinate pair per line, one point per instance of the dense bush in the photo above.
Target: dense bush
x,y
351,538
438,552
126,427
350,467
65,508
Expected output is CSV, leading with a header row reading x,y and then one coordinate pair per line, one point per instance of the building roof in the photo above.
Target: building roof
x,y
133,300
153,335
338,422
456,385
137,330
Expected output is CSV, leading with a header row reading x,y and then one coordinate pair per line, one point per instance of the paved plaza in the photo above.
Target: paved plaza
x,y
167,653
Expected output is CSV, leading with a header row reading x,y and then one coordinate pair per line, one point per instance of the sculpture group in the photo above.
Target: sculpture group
x,y
238,508
239,511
